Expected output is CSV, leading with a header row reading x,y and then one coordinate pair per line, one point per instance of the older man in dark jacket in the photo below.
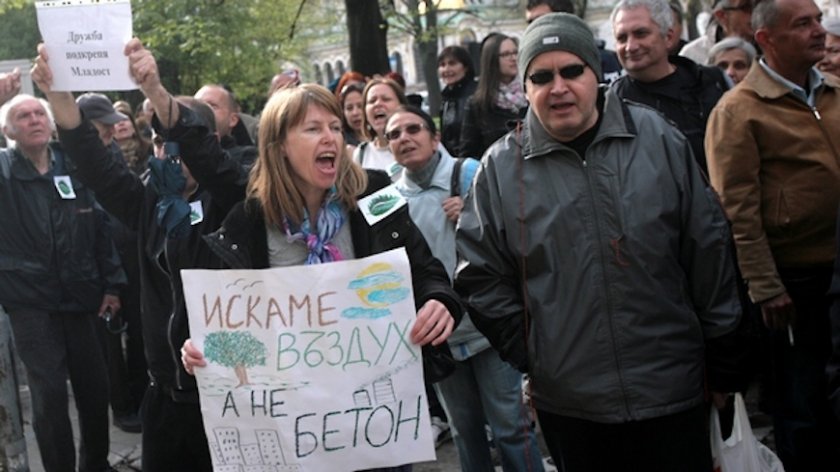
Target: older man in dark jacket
x,y
58,269
189,193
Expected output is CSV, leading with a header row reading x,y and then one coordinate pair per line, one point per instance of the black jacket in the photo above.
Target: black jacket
x,y
480,131
241,243
452,110
55,254
685,97
221,185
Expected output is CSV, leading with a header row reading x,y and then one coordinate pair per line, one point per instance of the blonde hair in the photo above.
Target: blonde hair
x,y
272,181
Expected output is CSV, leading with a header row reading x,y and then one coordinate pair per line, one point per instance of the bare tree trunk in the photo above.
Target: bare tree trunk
x,y
241,374
368,37
427,47
693,8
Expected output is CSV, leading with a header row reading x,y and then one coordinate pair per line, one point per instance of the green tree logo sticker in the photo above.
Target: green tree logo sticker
x,y
236,349
381,204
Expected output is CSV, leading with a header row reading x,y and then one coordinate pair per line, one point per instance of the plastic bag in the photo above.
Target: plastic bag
x,y
741,451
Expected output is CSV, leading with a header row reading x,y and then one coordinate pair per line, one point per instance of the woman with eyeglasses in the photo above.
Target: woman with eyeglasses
x,y
498,100
456,70
381,97
302,208
484,389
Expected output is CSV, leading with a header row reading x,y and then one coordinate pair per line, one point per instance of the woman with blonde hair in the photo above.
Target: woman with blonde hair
x,y
301,208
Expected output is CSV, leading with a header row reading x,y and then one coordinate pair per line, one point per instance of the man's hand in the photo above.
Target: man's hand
x,y
109,302
452,206
778,312
142,66
9,85
434,324
64,108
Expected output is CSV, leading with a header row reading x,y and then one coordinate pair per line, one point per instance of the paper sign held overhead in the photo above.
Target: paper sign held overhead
x,y
85,40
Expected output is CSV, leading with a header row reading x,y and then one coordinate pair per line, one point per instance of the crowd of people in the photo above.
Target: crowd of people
x,y
604,244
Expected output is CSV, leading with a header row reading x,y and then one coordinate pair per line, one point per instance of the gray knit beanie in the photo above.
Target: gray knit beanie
x,y
558,32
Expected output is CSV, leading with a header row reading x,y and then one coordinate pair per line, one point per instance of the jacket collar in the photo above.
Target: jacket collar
x,y
765,85
23,169
616,122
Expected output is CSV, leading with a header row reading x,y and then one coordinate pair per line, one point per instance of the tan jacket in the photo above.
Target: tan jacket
x,y
775,162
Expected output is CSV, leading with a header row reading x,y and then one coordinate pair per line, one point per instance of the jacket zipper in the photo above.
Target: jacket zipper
x,y
607,296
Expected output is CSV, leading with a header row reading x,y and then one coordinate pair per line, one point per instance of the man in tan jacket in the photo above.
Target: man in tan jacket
x,y
773,152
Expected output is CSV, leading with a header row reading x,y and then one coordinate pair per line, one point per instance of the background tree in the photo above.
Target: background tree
x,y
368,34
239,43
236,349
19,36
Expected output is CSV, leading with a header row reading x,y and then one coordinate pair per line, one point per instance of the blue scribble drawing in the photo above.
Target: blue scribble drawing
x,y
377,286
389,296
357,312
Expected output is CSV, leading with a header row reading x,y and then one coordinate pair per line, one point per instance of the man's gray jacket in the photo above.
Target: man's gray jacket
x,y
629,273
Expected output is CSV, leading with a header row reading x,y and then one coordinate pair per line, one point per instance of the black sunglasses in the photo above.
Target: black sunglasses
x,y
544,76
411,129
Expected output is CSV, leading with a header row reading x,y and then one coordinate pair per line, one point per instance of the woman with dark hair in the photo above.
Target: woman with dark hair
x,y
352,107
498,99
135,148
456,70
381,97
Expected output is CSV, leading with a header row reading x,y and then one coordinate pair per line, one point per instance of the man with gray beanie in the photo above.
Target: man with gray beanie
x,y
595,258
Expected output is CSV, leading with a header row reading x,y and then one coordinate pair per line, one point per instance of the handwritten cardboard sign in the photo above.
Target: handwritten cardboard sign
x,y
310,367
85,40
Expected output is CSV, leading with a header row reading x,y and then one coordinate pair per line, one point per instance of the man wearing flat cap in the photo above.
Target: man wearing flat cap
x,y
595,258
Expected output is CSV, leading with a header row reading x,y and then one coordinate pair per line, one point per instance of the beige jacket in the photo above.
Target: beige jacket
x,y
775,162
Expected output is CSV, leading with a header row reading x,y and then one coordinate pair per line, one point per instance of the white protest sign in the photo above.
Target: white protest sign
x,y
85,40
310,367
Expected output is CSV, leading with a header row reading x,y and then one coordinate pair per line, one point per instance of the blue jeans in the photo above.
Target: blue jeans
x,y
52,347
486,390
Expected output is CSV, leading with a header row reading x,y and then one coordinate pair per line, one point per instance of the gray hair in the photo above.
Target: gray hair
x,y
765,14
6,109
660,12
730,43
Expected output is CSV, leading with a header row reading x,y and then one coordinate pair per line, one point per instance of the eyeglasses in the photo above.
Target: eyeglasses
x,y
745,7
411,130
508,54
544,76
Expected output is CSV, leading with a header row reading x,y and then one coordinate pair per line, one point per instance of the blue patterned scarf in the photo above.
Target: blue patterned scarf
x,y
320,245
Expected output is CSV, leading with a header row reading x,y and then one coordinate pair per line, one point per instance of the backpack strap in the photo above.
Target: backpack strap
x,y
462,175
455,179
362,147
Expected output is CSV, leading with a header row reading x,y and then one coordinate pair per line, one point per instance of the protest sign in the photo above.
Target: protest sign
x,y
85,40
310,367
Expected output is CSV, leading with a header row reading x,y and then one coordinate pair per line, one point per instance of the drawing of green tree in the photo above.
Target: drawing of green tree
x,y
236,349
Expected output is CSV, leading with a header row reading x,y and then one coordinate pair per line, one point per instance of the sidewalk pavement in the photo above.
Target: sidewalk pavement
x,y
126,447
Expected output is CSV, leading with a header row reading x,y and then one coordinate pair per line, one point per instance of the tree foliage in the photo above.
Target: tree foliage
x,y
19,35
234,348
239,43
